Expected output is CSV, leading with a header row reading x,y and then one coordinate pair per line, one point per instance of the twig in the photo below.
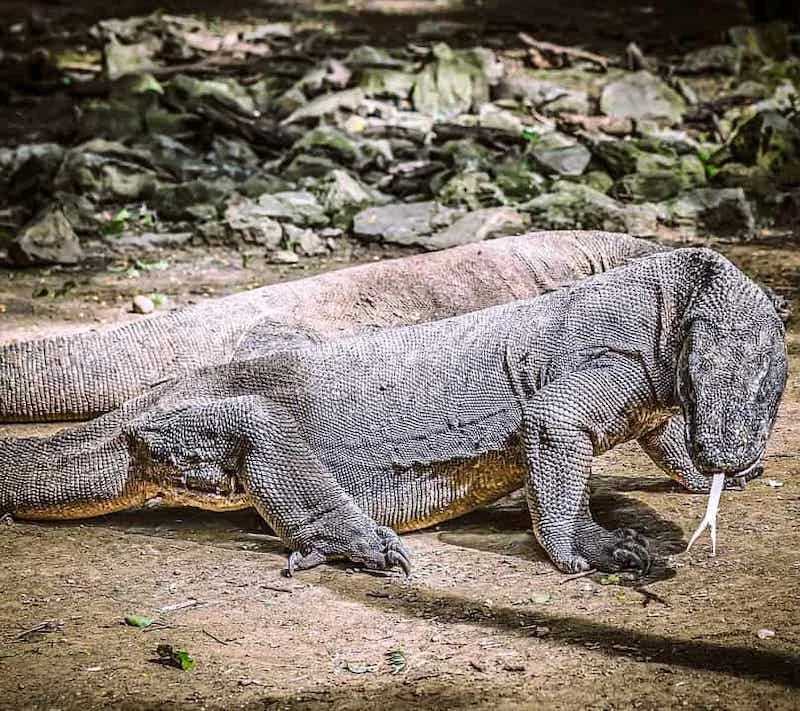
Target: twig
x,y
44,626
185,605
573,52
278,588
648,596
216,639
576,576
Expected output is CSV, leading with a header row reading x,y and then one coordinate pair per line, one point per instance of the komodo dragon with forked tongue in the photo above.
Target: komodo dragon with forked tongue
x,y
337,444
85,374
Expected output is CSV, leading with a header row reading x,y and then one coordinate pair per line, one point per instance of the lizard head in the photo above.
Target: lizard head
x,y
731,372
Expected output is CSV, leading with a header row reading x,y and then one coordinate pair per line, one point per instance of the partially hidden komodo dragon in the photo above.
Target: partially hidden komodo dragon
x,y
83,375
336,444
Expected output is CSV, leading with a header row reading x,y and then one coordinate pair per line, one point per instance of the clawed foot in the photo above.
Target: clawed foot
x,y
624,549
382,549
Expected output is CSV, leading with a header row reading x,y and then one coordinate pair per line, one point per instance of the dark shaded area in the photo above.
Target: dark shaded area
x,y
571,630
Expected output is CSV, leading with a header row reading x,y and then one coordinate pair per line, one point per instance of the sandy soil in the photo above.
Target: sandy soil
x,y
483,622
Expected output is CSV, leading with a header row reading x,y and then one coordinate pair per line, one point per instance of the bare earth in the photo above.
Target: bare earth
x,y
483,622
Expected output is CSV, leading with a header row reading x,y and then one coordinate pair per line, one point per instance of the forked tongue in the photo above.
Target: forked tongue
x,y
710,519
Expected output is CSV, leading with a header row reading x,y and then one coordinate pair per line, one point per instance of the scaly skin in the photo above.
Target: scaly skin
x,y
83,375
337,442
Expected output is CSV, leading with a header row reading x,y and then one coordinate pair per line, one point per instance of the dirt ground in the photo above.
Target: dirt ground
x,y
483,622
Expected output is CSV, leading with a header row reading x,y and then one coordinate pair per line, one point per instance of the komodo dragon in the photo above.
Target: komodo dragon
x,y
83,375
334,443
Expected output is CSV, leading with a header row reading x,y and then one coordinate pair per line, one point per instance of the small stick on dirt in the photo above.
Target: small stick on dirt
x,y
44,626
576,576
185,605
570,52
216,639
648,596
278,588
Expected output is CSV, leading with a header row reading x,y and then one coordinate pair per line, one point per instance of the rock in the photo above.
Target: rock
x,y
450,85
471,189
573,206
598,180
403,223
518,180
47,239
753,179
28,170
492,116
660,178
465,154
767,41
488,63
717,58
305,241
253,224
770,141
110,119
477,226
387,84
172,202
142,304
297,206
349,99
641,95
182,89
723,211
328,142
367,56
544,95
283,256
560,154
122,59
342,196
108,171
233,150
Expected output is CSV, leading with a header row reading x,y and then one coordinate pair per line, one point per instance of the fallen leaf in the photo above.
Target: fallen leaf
x,y
765,633
140,621
356,667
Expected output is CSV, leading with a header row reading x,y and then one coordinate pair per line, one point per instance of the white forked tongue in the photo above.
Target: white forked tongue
x,y
710,519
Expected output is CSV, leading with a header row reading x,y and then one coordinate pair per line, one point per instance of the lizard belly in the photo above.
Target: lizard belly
x,y
415,497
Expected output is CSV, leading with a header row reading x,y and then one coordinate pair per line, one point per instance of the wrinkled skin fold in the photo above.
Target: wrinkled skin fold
x,y
338,445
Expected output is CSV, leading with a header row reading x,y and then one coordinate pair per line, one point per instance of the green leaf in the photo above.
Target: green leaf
x,y
174,657
530,135
158,266
158,299
611,579
140,621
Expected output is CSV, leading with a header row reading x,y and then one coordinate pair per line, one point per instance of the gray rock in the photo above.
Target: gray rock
x,y
574,206
723,211
403,223
387,83
283,256
641,95
107,171
527,86
560,154
297,206
225,90
518,180
305,241
471,189
142,304
328,142
122,59
717,58
477,226
450,85
252,224
770,141
660,178
110,119
327,104
342,196
172,202
47,239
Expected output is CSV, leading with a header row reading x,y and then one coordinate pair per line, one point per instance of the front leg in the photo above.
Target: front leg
x,y
666,447
564,425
